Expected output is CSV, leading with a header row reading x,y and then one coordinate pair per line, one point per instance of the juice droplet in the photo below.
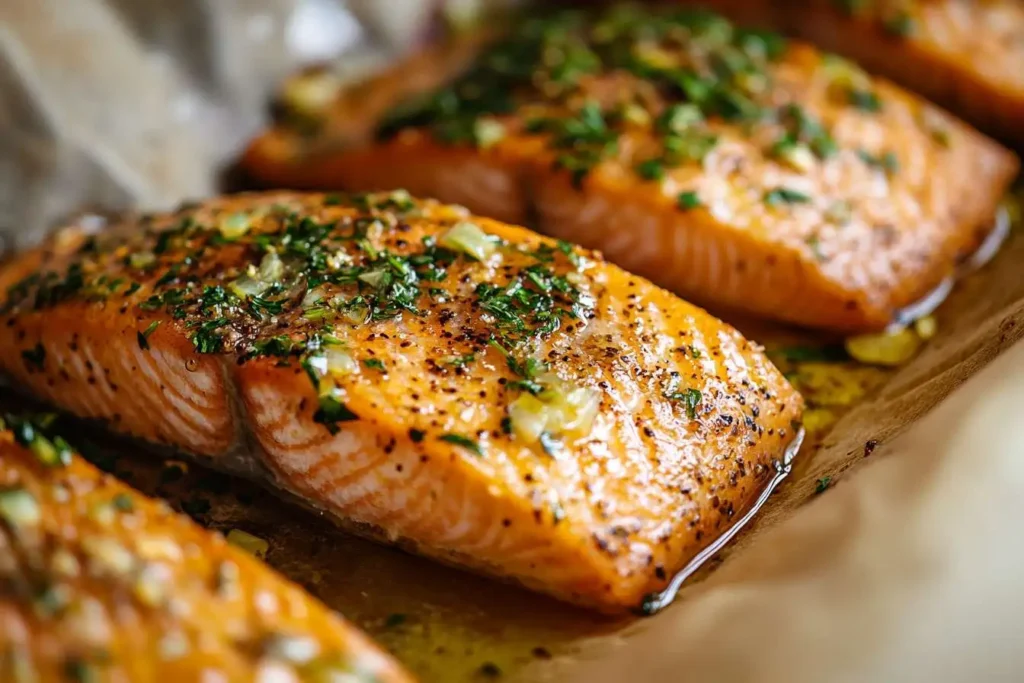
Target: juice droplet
x,y
191,365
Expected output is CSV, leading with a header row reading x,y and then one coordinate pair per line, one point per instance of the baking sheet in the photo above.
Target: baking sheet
x,y
153,128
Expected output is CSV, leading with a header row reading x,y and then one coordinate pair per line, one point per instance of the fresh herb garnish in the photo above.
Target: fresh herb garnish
x,y
333,412
299,277
886,162
207,339
651,169
143,336
463,441
702,66
865,100
688,201
784,195
690,398
28,432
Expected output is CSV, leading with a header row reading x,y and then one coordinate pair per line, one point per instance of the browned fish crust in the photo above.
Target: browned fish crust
x,y
490,397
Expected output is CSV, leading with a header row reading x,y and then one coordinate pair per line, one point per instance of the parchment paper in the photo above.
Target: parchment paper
x,y
908,570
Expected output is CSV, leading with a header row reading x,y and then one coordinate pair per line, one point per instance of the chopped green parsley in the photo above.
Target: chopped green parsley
x,y
688,201
143,336
463,441
784,195
689,398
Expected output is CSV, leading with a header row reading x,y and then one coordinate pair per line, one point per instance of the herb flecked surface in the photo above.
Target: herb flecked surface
x,y
584,80
568,397
280,282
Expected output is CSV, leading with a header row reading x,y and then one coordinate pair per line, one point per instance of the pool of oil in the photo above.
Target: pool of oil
x,y
450,626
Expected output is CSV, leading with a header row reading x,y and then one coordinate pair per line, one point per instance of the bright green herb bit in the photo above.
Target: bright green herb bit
x,y
688,200
651,169
865,100
690,398
783,195
463,441
143,336
333,412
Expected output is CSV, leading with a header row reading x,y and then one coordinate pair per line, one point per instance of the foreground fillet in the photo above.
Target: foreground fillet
x,y
468,389
721,163
99,583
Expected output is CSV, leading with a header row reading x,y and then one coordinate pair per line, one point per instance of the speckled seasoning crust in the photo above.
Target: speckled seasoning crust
x,y
468,389
966,55
727,165
99,583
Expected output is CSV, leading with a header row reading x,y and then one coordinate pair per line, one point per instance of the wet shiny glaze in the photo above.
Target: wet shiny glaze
x,y
903,233
602,520
109,585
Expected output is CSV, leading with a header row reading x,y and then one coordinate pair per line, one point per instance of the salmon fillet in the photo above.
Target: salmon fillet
x,y
98,582
726,165
966,55
466,389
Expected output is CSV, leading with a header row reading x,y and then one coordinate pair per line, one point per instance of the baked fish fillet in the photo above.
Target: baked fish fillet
x,y
723,164
966,55
100,583
470,390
